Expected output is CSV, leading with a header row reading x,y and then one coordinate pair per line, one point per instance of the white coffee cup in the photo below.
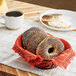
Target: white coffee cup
x,y
15,20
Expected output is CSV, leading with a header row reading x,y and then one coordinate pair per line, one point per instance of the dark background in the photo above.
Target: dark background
x,y
57,4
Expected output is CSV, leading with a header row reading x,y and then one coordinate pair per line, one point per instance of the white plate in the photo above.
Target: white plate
x,y
71,16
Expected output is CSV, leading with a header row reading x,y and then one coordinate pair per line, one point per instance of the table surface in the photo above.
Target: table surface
x,y
32,10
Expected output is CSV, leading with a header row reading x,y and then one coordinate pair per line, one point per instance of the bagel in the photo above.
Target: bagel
x,y
34,41
28,34
50,47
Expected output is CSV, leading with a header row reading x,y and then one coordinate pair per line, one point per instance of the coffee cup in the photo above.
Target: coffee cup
x,y
13,19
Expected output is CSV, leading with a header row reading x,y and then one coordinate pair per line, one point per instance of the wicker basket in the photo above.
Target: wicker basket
x,y
44,63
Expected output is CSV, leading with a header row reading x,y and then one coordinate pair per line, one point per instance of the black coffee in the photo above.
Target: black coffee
x,y
14,13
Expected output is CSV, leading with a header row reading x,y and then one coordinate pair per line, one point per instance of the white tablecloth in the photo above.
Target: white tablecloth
x,y
10,58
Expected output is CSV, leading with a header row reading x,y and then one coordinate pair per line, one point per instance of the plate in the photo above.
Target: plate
x,y
70,15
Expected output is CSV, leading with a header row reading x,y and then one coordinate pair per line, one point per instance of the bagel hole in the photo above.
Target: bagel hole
x,y
50,50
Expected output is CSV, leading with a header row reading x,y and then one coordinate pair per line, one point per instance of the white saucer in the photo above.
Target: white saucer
x,y
71,16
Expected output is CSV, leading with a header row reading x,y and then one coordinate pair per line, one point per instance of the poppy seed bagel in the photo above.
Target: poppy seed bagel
x,y
28,34
34,41
50,47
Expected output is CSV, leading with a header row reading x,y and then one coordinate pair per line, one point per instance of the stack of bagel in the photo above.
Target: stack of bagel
x,y
38,42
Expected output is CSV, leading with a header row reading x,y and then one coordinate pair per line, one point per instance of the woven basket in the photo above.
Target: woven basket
x,y
44,63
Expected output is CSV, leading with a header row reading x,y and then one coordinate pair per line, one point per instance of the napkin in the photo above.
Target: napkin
x,y
10,58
